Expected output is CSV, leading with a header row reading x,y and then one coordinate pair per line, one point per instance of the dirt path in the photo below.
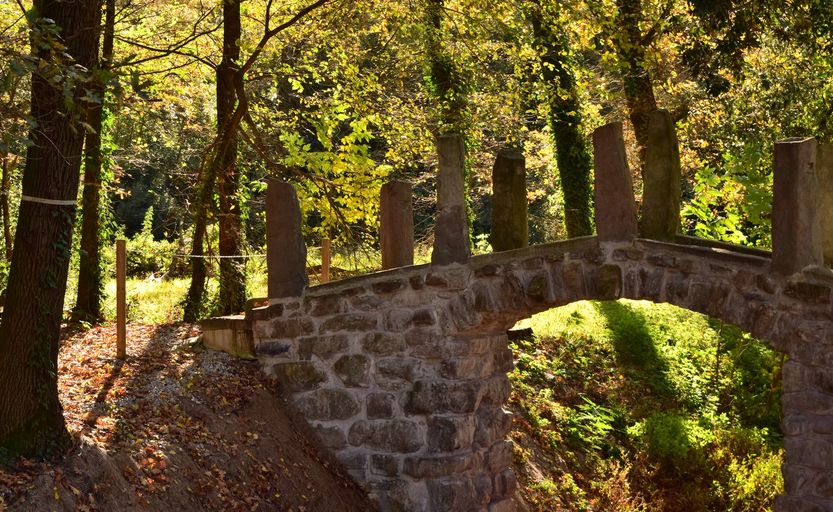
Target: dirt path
x,y
176,427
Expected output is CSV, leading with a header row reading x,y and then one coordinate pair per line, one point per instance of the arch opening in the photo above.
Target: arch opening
x,y
635,405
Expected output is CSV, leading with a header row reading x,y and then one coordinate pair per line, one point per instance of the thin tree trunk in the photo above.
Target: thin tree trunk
x,y
636,80
90,274
199,273
31,419
9,163
564,111
232,270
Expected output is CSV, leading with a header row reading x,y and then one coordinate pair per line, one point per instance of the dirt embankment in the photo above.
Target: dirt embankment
x,y
178,428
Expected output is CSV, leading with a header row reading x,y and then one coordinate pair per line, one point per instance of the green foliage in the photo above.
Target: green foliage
x,y
659,390
145,254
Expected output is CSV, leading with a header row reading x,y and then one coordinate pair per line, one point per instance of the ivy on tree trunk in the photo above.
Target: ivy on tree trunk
x,y
564,112
31,419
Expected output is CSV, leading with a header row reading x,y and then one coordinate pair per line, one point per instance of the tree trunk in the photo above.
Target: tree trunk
x,y
9,164
564,106
90,273
232,270
636,80
31,419
445,78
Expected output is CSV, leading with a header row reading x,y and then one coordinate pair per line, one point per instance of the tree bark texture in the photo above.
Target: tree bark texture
x,y
232,270
636,80
564,110
31,419
9,164
90,273
448,85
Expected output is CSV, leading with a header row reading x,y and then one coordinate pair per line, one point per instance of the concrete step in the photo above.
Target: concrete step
x,y
230,334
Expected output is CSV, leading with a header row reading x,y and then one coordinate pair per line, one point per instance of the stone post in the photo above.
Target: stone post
x,y
451,233
397,225
824,173
796,229
286,254
615,205
661,179
510,229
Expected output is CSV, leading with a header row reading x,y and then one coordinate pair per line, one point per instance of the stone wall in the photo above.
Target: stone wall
x,y
403,373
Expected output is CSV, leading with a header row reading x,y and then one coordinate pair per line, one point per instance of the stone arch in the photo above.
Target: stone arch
x,y
403,373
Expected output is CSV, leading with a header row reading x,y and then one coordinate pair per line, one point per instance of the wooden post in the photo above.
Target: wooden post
x,y
121,300
325,260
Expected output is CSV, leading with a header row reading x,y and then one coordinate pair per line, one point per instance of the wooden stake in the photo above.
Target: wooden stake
x,y
325,260
121,300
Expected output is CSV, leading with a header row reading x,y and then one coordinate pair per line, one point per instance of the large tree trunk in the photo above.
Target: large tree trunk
x,y
90,273
574,163
31,419
636,80
232,270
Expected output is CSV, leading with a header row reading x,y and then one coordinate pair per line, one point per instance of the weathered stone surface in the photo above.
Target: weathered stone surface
x,y
499,456
286,253
398,368
290,328
393,436
390,286
450,433
453,494
380,406
299,376
615,204
796,228
326,306
609,282
396,232
443,465
493,424
661,177
350,322
510,229
451,230
383,344
385,465
353,370
328,404
332,438
430,397
322,346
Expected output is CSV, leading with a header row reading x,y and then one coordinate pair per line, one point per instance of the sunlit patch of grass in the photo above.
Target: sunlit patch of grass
x,y
684,405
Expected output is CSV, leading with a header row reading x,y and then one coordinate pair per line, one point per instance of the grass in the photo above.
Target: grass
x,y
645,406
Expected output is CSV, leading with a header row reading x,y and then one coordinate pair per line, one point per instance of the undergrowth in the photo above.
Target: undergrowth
x,y
638,406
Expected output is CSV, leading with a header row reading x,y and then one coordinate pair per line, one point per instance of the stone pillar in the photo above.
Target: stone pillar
x,y
824,173
397,225
661,179
286,254
451,233
796,229
615,205
510,229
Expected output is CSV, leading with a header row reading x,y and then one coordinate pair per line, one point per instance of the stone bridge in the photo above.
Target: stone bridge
x,y
403,373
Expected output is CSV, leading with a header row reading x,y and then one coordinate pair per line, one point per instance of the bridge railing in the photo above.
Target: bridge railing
x,y
802,213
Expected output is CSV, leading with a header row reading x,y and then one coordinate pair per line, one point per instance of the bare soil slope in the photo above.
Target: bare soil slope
x,y
176,427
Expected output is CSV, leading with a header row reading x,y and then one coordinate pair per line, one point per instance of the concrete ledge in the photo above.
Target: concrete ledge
x,y
230,334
